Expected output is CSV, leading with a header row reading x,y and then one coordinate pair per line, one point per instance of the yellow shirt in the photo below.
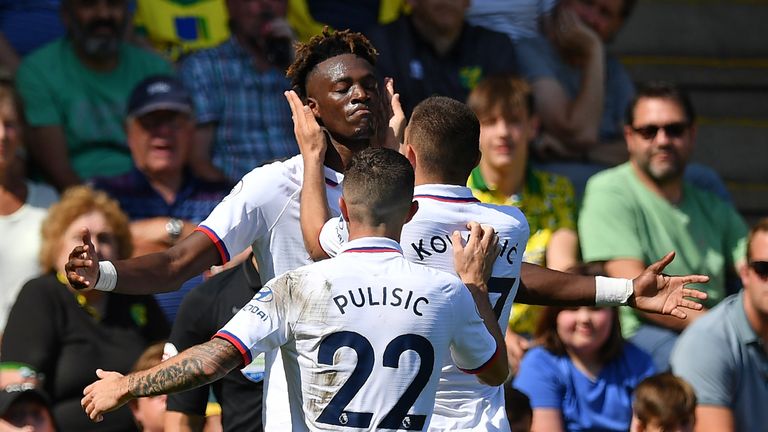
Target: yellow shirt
x,y
176,27
549,203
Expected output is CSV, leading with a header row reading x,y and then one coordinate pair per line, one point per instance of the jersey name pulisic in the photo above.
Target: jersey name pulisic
x,y
461,403
262,211
363,337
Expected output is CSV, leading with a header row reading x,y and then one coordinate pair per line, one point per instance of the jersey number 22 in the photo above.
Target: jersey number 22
x,y
398,417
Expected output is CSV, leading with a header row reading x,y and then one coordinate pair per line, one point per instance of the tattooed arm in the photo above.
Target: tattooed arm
x,y
200,364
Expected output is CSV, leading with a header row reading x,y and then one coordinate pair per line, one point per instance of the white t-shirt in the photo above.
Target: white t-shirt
x,y
462,403
262,211
21,232
363,336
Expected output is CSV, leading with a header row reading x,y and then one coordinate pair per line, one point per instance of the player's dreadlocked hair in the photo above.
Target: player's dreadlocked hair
x,y
322,47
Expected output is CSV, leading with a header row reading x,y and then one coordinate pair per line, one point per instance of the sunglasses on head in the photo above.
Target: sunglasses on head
x,y
672,130
760,267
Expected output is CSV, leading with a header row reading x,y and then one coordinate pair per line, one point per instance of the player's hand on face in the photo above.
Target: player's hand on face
x,y
668,295
82,269
310,136
105,395
474,261
395,116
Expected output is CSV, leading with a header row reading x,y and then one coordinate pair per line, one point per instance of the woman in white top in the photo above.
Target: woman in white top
x,y
23,205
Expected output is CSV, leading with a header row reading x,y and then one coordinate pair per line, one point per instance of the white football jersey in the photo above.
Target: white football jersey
x,y
262,211
363,337
461,403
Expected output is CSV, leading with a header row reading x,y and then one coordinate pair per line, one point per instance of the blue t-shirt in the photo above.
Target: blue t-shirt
x,y
604,404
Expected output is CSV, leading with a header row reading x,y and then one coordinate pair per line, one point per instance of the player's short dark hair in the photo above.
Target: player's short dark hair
x,y
446,136
378,186
323,46
661,90
506,94
666,399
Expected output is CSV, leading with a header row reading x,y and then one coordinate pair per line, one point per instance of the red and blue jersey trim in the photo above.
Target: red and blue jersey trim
x,y
234,340
485,365
447,198
220,246
371,249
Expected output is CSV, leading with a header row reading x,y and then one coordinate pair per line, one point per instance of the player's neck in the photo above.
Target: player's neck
x,y
506,180
339,153
424,178
357,231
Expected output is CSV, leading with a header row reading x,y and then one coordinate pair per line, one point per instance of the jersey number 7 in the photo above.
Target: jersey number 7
x,y
398,417
500,286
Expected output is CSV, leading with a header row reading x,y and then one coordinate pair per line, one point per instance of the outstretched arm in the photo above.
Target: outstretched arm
x,y
313,143
148,274
652,291
194,367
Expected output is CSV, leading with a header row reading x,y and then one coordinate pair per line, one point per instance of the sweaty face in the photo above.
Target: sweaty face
x,y
603,16
504,140
584,330
97,26
344,94
659,141
160,141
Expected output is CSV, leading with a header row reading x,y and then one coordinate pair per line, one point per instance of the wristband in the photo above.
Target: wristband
x,y
612,291
107,277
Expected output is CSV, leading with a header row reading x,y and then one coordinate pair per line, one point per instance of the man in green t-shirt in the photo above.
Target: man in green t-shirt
x,y
644,208
75,90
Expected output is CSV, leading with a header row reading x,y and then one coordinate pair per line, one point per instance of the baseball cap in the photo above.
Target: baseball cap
x,y
158,92
14,392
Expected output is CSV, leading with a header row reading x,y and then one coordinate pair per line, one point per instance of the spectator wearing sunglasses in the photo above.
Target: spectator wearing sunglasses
x,y
730,379
645,208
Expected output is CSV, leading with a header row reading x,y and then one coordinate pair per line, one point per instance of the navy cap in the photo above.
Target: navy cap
x,y
158,92
14,392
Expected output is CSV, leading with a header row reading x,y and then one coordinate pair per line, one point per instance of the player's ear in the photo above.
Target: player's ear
x,y
409,153
343,208
312,104
412,211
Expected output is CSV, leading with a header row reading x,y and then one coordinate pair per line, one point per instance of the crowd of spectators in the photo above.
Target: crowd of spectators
x,y
136,118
